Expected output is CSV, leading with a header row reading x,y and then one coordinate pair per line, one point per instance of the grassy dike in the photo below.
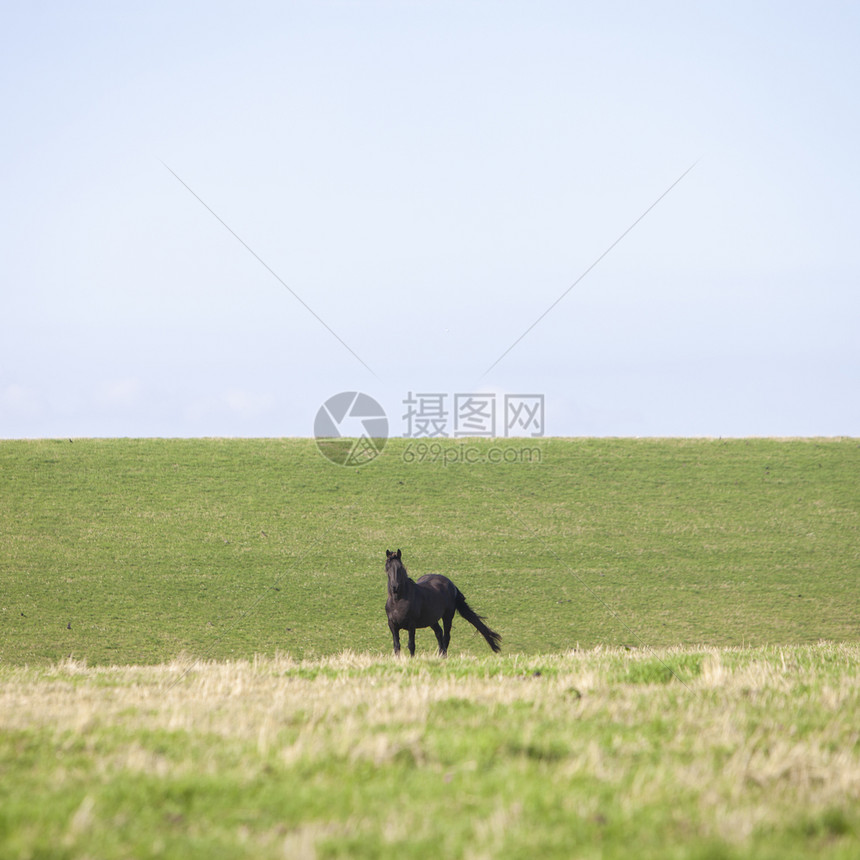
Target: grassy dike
x,y
134,551
733,753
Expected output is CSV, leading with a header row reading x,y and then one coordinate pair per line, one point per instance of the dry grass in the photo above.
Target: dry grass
x,y
750,749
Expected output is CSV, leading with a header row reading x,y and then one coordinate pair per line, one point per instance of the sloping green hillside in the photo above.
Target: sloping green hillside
x,y
135,551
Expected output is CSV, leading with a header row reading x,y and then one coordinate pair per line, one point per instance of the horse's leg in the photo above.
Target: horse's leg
x,y
395,635
439,638
446,636
411,641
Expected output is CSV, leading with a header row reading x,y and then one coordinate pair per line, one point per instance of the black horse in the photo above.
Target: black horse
x,y
422,604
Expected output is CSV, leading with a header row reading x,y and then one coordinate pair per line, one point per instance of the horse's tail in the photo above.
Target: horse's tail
x,y
477,622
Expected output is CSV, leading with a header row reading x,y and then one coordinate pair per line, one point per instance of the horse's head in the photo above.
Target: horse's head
x,y
396,573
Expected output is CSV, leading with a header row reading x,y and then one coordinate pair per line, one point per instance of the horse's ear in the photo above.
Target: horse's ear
x,y
398,553
388,553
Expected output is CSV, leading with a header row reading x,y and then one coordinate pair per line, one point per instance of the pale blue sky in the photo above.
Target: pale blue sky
x,y
429,178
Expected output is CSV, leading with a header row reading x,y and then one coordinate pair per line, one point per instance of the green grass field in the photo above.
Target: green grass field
x,y
195,660
123,551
